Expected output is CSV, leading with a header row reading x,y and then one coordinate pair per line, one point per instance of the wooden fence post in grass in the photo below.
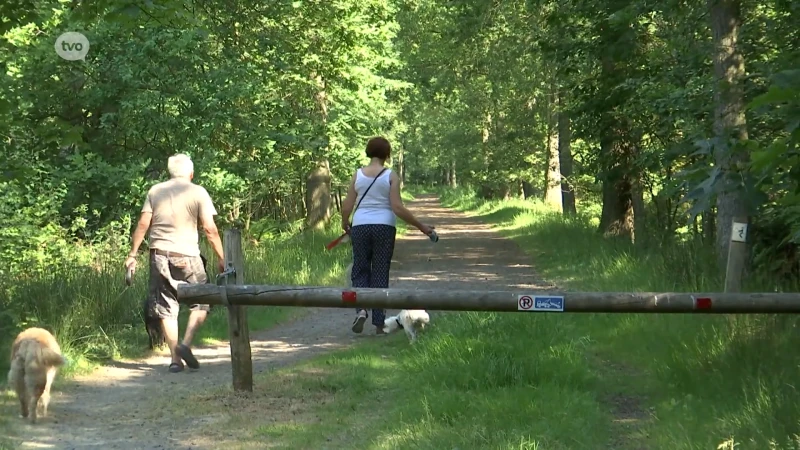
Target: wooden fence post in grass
x,y
241,357
737,255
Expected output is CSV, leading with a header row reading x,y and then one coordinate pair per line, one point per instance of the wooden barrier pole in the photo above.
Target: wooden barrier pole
x,y
241,357
737,255
520,301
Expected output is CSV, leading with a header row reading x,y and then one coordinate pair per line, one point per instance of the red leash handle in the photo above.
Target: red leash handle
x,y
336,241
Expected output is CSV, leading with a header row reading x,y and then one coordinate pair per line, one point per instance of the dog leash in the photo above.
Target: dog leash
x,y
223,288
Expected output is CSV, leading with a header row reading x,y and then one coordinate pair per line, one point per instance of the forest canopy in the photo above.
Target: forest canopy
x,y
673,116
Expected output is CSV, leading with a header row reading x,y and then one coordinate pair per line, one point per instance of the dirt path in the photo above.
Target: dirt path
x,y
112,408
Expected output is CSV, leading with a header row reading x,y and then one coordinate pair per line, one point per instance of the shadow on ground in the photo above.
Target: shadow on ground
x,y
132,404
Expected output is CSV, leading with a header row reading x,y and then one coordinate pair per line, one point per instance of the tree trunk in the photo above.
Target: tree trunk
x,y
616,151
318,195
616,218
318,183
552,178
709,225
637,203
401,167
528,190
729,119
453,180
485,139
565,161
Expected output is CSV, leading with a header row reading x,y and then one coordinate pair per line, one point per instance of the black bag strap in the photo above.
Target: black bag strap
x,y
370,185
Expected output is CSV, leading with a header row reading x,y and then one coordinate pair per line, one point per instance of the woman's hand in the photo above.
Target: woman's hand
x,y
426,229
346,226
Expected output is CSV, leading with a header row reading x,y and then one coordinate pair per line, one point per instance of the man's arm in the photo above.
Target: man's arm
x,y
145,218
212,234
207,212
139,233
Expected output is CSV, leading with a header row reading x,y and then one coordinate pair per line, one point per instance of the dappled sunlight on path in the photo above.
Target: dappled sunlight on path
x,y
134,404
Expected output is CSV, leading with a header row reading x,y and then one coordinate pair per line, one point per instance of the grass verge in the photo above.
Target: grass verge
x,y
701,382
511,381
96,317
463,386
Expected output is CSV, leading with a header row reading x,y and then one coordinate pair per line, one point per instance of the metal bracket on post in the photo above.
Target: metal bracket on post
x,y
223,288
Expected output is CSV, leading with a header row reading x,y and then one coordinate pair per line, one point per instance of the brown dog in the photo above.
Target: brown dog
x,y
35,359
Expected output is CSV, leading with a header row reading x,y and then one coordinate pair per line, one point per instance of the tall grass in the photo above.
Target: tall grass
x,y
95,316
709,379
519,381
475,380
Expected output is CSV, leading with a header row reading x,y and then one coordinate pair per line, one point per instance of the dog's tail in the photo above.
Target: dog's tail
x,y
390,324
50,358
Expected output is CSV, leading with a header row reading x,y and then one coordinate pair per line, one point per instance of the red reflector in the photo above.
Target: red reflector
x,y
703,303
348,296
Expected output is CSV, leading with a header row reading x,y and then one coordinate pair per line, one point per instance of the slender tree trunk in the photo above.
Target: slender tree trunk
x,y
709,226
552,173
637,204
565,160
729,118
401,167
486,188
318,182
552,192
453,180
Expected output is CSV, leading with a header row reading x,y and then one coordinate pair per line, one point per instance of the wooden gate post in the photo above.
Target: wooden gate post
x,y
241,357
737,255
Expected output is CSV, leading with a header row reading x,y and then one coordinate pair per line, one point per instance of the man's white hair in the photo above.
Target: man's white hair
x,y
180,165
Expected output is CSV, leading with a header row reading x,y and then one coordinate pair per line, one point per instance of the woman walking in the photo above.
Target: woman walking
x,y
373,231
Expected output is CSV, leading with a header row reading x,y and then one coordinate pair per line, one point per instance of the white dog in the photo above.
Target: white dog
x,y
409,320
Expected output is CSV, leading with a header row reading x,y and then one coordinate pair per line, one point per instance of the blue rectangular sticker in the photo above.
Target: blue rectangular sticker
x,y
540,303
548,303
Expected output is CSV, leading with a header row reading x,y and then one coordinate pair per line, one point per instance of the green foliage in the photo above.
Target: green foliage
x,y
473,385
468,92
687,381
702,380
636,81
776,164
95,316
256,94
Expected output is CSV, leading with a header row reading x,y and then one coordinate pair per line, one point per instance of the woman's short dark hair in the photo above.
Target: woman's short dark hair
x,y
378,147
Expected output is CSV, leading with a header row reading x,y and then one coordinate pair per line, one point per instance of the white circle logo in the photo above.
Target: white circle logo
x,y
72,46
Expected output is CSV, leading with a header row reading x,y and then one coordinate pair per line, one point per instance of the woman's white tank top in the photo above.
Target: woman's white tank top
x,y
375,209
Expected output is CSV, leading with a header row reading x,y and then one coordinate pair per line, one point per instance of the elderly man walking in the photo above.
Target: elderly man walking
x,y
172,211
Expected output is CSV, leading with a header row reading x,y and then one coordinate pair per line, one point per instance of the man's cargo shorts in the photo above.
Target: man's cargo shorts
x,y
167,270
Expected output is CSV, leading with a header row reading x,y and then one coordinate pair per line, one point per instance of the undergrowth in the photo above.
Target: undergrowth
x,y
710,380
529,381
95,316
